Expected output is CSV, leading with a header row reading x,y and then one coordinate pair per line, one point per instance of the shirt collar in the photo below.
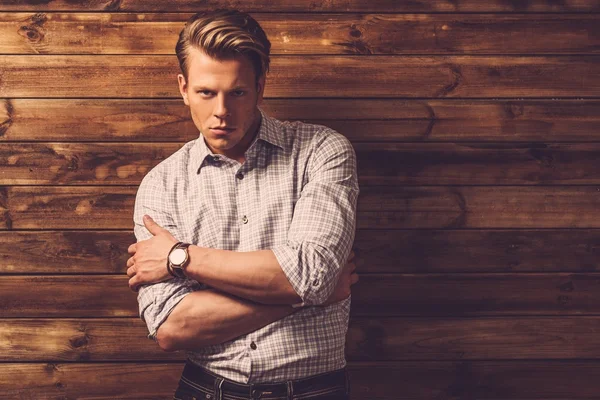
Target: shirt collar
x,y
270,131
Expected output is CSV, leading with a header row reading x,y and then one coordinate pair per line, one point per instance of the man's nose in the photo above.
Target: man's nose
x,y
221,108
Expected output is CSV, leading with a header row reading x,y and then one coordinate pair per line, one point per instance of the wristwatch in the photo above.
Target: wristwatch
x,y
178,259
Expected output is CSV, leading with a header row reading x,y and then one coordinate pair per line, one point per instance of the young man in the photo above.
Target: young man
x,y
244,234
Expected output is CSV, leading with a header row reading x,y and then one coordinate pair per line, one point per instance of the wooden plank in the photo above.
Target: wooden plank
x,y
312,76
443,251
90,163
475,294
368,339
94,207
379,207
65,252
378,164
477,338
371,120
475,164
89,380
380,294
368,380
117,339
67,296
305,5
112,33
377,251
478,207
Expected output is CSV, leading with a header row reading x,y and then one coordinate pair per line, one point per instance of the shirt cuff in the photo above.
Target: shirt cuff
x,y
304,280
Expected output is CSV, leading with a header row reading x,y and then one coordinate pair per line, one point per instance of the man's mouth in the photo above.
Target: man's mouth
x,y
221,130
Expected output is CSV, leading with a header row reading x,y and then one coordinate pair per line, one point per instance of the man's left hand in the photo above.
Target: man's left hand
x,y
148,263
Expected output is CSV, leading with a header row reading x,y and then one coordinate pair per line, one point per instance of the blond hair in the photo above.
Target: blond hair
x,y
223,34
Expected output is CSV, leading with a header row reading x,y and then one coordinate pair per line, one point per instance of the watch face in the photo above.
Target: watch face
x,y
177,256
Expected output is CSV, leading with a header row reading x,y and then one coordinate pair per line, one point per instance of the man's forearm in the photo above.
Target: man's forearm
x,y
209,317
254,275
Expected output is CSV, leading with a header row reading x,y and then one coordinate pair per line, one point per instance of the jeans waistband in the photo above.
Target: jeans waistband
x,y
206,381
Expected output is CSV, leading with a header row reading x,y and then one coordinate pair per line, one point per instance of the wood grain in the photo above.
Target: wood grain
x,y
482,338
378,294
378,163
65,252
478,207
312,76
372,120
368,380
377,251
305,6
390,339
448,251
112,33
117,339
379,207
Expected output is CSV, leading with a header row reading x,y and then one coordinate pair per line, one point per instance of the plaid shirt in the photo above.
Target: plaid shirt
x,y
296,195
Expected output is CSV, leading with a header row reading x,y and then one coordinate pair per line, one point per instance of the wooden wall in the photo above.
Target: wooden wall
x,y
476,124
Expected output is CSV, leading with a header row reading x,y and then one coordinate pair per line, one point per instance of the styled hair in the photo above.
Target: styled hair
x,y
223,34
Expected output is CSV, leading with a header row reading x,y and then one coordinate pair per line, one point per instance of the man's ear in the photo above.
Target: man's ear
x,y
183,88
260,88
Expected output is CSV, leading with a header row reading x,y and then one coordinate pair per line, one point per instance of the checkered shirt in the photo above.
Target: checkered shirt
x,y
296,195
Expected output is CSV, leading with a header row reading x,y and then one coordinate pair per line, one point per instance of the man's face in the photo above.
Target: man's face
x,y
223,96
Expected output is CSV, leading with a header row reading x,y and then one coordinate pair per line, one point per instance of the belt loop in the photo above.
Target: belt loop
x,y
290,390
218,392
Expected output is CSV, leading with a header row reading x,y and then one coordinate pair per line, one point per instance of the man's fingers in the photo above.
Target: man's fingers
x,y
351,256
133,283
132,249
353,279
350,267
131,272
130,262
152,226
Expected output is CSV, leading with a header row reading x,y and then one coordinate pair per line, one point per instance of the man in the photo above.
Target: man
x,y
244,234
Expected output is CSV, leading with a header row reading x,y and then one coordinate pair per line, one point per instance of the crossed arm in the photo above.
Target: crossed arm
x,y
249,290
212,316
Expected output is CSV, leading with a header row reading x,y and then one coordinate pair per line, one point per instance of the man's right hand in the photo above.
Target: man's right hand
x,y
347,278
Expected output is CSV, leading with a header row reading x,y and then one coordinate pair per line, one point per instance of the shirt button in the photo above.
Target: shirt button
x,y
245,219
253,346
240,176
316,282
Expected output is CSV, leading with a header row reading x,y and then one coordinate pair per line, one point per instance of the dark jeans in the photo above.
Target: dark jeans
x,y
197,383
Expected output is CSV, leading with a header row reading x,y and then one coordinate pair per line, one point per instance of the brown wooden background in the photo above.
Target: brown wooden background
x,y
476,124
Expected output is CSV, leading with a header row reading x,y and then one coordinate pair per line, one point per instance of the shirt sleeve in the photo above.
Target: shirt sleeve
x,y
322,230
156,301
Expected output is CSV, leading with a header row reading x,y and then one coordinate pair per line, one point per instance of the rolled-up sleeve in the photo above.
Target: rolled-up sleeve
x,y
323,225
156,301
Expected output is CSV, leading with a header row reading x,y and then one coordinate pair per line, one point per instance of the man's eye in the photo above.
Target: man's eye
x,y
205,92
238,93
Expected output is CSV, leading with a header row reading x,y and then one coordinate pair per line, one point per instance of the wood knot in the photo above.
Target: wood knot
x,y
73,164
31,33
355,32
114,5
563,300
39,19
6,108
79,341
514,110
542,156
51,368
567,287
